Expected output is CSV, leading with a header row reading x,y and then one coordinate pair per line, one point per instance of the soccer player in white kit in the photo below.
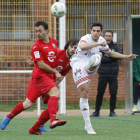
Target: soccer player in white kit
x,y
85,63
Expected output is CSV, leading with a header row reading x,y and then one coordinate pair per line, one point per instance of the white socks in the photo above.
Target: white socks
x,y
84,106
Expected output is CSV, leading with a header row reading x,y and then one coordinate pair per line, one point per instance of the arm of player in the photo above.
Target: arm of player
x,y
87,46
117,49
58,81
43,66
122,56
107,59
63,73
30,62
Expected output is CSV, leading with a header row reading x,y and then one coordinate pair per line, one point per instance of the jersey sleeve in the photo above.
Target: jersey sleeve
x,y
36,53
105,49
64,73
84,39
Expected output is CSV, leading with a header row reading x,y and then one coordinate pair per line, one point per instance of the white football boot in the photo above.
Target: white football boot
x,y
90,130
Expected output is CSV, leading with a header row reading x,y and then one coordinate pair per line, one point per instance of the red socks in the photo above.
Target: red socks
x,y
18,109
52,107
44,117
49,113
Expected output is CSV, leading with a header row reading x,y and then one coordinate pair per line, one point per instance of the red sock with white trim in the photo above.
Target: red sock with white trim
x,y
17,109
44,117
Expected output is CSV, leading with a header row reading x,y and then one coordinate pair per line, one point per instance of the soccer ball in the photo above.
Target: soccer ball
x,y
58,9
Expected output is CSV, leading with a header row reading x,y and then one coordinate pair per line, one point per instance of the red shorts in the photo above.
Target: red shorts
x,y
33,92
44,84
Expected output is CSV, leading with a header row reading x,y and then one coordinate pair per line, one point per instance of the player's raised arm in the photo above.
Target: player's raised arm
x,y
132,56
85,46
122,56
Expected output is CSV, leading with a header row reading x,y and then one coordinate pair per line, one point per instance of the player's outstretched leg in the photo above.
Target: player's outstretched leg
x,y
5,121
17,109
42,129
94,60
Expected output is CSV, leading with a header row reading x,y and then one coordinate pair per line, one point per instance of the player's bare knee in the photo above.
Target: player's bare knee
x,y
84,93
57,94
27,104
83,89
53,92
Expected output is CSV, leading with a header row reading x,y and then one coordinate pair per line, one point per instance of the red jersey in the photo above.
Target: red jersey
x,y
46,52
62,62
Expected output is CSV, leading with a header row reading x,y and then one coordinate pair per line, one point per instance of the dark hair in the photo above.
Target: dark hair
x,y
110,31
44,24
97,24
71,42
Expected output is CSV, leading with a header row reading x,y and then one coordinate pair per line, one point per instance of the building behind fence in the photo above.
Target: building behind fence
x,y
17,36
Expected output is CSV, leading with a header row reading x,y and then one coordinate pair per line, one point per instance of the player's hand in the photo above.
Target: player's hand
x,y
58,76
30,62
132,56
103,43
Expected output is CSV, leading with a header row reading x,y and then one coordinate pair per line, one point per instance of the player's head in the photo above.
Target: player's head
x,y
71,46
108,36
96,30
41,30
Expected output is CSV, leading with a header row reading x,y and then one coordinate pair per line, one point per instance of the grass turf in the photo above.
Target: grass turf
x,y
107,128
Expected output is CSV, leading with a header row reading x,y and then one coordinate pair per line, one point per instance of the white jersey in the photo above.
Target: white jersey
x,y
80,55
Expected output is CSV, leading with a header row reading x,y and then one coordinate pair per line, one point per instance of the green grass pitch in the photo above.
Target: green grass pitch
x,y
107,128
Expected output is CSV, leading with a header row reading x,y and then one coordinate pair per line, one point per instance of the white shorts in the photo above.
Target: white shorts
x,y
80,75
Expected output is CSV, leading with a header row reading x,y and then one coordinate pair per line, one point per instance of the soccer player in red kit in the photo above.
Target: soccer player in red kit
x,y
43,53
63,58
62,65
